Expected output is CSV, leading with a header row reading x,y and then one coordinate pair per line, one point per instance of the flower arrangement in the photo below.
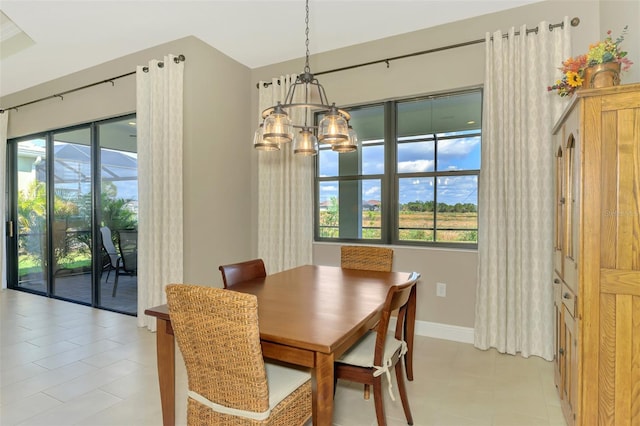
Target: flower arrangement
x,y
602,52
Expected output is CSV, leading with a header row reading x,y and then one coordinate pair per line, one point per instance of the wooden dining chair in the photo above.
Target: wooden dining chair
x,y
238,272
374,354
229,381
366,258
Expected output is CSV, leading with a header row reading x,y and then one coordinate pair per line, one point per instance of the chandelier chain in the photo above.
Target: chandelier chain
x,y
307,69
277,128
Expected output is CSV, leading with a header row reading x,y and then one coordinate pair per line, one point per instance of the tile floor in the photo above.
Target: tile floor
x,y
67,364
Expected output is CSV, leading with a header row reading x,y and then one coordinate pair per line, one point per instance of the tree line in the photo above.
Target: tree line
x,y
430,206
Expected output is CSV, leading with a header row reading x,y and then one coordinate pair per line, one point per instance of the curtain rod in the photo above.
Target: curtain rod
x,y
574,23
177,59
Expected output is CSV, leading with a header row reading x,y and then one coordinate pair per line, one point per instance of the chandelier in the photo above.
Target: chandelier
x,y
308,96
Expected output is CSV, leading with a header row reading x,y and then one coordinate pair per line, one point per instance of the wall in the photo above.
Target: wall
x,y
614,15
217,226
431,73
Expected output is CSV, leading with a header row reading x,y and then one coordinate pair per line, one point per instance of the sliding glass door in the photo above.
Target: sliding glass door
x,y
67,186
71,256
28,229
118,214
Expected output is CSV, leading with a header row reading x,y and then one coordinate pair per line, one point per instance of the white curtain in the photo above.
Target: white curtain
x,y
285,195
514,299
4,120
160,226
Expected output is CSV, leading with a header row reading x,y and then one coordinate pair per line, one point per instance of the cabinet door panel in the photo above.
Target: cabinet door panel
x,y
559,225
572,211
558,333
570,368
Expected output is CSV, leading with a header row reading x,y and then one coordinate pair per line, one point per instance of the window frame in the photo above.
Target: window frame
x,y
390,179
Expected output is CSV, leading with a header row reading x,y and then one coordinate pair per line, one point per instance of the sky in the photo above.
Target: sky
x,y
462,153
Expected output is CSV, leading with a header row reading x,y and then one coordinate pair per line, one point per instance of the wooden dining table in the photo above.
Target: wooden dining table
x,y
307,316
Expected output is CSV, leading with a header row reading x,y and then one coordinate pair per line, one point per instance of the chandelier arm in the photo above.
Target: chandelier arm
x,y
304,127
309,106
323,96
291,92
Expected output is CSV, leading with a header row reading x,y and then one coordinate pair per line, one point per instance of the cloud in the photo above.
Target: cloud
x,y
415,166
457,147
374,190
461,189
416,189
451,189
328,187
373,167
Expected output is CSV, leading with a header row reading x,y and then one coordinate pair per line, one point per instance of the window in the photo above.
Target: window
x,y
413,181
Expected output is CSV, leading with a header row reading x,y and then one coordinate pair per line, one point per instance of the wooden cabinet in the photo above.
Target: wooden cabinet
x,y
597,257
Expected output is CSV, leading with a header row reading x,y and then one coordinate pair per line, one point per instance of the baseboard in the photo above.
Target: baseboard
x,y
442,331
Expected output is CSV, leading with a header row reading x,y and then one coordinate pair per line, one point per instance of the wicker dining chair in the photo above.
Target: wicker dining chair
x,y
374,354
229,381
367,258
238,272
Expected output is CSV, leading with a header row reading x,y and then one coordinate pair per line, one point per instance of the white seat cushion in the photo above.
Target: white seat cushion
x,y
282,382
361,354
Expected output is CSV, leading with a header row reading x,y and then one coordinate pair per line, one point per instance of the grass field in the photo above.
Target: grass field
x,y
414,226
28,264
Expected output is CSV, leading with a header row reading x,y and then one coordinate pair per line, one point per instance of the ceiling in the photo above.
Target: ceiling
x,y
62,37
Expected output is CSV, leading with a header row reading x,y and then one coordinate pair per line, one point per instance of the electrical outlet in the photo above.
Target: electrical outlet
x,y
441,290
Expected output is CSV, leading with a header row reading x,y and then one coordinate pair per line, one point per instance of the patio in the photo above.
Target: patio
x,y
77,288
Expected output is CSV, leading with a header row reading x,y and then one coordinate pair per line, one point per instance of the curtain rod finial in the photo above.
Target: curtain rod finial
x,y
575,22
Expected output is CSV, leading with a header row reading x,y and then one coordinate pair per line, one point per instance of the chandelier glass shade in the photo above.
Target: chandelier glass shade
x,y
348,145
260,143
333,128
306,143
277,127
306,95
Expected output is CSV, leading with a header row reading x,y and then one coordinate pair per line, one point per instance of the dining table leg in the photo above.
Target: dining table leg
x,y
322,380
165,351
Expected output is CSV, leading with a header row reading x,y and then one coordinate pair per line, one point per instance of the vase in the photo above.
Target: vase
x,y
601,75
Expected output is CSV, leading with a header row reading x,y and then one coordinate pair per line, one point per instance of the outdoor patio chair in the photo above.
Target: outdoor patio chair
x,y
128,245
114,259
